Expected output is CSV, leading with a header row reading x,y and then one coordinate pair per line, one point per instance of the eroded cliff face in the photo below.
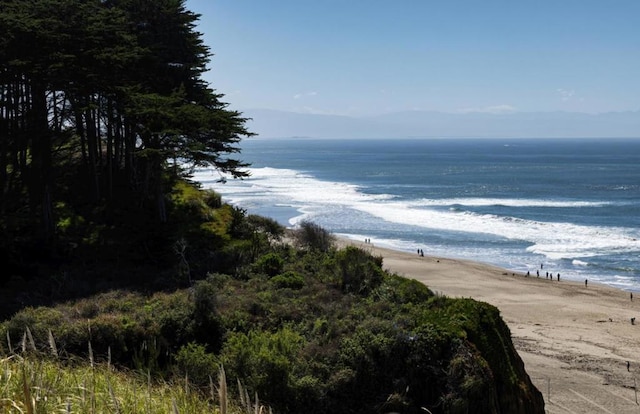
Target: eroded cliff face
x,y
485,373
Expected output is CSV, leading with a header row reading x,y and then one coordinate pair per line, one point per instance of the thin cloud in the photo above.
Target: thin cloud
x,y
305,94
317,111
565,94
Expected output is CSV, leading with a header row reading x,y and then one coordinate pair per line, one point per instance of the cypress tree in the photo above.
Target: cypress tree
x,y
102,104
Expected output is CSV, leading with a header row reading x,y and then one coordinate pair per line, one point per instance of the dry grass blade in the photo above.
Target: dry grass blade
x,y
148,391
222,391
26,389
245,401
52,345
6,376
32,384
91,355
212,390
116,404
9,342
32,343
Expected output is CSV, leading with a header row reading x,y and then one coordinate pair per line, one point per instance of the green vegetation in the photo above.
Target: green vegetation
x,y
102,111
35,385
112,256
308,330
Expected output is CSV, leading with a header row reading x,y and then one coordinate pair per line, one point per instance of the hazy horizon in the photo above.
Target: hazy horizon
x,y
268,123
366,58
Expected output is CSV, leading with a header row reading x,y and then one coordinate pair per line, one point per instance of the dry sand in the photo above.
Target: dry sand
x,y
575,340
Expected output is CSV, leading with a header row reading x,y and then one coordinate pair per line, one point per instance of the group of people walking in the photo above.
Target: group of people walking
x,y
548,275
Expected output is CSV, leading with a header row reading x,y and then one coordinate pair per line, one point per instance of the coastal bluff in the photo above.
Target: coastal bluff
x,y
577,341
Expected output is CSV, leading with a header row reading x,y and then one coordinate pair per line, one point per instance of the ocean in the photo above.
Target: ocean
x,y
572,205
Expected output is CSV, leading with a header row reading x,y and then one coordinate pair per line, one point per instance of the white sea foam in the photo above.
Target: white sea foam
x,y
555,240
577,262
516,202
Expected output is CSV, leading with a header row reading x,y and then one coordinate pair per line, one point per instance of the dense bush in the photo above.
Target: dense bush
x,y
311,236
198,365
358,271
271,264
266,361
290,279
314,330
119,324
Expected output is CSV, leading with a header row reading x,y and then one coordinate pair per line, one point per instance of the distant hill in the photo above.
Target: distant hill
x,y
269,123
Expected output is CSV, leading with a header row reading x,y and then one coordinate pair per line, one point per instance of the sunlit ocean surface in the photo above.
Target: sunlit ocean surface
x,y
572,204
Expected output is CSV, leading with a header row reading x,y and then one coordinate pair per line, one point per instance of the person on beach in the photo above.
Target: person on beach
x,y
585,282
558,277
537,273
628,366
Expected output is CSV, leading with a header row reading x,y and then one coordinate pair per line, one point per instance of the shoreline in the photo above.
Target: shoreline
x,y
520,269
575,340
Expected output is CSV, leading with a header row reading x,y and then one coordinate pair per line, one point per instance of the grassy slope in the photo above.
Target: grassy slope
x,y
310,329
33,384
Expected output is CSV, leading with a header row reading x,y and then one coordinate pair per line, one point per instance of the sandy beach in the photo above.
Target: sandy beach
x,y
575,340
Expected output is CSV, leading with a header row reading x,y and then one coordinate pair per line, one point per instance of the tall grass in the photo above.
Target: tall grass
x,y
31,383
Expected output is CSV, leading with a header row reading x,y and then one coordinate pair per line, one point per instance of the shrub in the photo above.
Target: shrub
x,y
212,199
311,236
291,280
266,225
38,320
118,323
401,290
196,363
207,326
358,271
266,361
234,257
270,264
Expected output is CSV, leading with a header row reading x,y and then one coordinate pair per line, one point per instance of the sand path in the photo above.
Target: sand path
x,y
575,341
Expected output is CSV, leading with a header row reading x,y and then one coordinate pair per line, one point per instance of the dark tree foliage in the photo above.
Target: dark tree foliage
x,y
102,108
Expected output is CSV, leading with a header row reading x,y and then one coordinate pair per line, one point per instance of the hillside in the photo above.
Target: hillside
x,y
309,328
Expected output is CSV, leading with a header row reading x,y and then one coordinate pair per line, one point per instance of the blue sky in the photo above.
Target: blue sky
x,y
357,57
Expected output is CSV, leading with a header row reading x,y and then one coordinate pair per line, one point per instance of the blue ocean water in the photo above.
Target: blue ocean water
x,y
572,204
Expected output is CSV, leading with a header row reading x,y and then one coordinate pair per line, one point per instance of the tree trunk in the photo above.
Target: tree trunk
x,y
92,148
4,146
41,179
